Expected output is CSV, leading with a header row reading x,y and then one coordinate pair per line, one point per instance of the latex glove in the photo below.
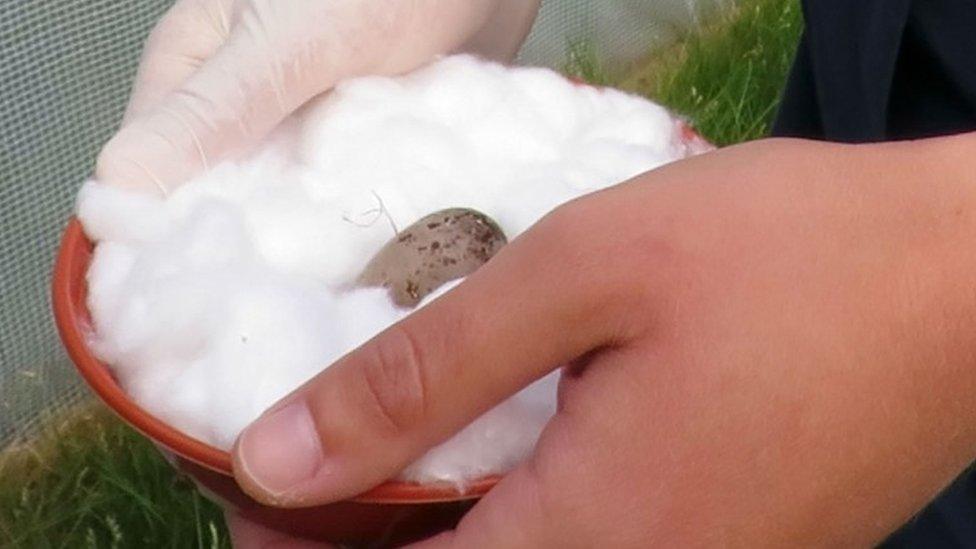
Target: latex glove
x,y
218,75
771,345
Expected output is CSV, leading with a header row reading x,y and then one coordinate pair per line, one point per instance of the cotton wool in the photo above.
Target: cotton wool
x,y
216,301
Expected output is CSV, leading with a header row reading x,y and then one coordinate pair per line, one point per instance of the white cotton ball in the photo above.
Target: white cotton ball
x,y
181,394
215,302
496,441
276,335
365,313
458,91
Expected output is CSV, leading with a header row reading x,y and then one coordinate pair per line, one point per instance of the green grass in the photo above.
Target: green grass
x,y
89,481
583,63
728,78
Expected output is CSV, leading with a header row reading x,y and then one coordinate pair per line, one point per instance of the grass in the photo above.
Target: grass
x,y
583,63
88,481
728,78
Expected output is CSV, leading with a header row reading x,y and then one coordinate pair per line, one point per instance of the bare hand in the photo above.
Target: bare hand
x,y
771,344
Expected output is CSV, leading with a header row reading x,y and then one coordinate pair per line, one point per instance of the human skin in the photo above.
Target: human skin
x,y
216,76
775,338
769,345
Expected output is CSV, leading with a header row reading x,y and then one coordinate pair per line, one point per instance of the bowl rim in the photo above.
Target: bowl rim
x,y
74,326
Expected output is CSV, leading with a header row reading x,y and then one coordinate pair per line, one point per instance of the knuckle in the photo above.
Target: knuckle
x,y
577,233
394,380
562,234
614,266
565,219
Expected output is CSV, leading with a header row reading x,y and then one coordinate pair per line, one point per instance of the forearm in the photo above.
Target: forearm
x,y
506,30
938,393
894,432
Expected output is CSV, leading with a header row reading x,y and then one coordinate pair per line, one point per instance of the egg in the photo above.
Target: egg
x,y
437,249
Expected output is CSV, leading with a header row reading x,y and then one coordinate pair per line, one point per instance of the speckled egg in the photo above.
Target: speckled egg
x,y
441,247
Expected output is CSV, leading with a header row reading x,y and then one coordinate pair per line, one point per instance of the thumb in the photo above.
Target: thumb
x,y
534,306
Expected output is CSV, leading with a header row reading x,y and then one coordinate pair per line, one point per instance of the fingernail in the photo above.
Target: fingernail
x,y
280,451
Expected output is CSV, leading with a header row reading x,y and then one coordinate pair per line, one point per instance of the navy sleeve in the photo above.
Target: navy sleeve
x,y
879,70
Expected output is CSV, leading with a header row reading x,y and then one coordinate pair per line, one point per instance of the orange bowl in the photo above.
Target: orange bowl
x,y
390,514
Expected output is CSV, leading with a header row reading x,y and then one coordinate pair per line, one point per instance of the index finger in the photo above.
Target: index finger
x,y
535,306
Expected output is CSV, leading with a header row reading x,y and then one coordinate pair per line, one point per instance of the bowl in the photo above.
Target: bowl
x,y
390,514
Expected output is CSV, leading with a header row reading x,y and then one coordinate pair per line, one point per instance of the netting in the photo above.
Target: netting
x,y
617,32
66,67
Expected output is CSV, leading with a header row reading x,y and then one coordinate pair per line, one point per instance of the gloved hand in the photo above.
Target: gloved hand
x,y
218,75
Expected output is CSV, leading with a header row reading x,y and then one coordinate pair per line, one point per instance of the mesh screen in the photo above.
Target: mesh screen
x,y
65,71
616,31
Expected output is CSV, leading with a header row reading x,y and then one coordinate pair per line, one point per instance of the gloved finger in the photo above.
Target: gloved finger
x,y
277,57
189,33
235,98
536,305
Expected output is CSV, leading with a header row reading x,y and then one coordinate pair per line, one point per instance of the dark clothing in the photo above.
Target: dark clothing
x,y
880,70
875,70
